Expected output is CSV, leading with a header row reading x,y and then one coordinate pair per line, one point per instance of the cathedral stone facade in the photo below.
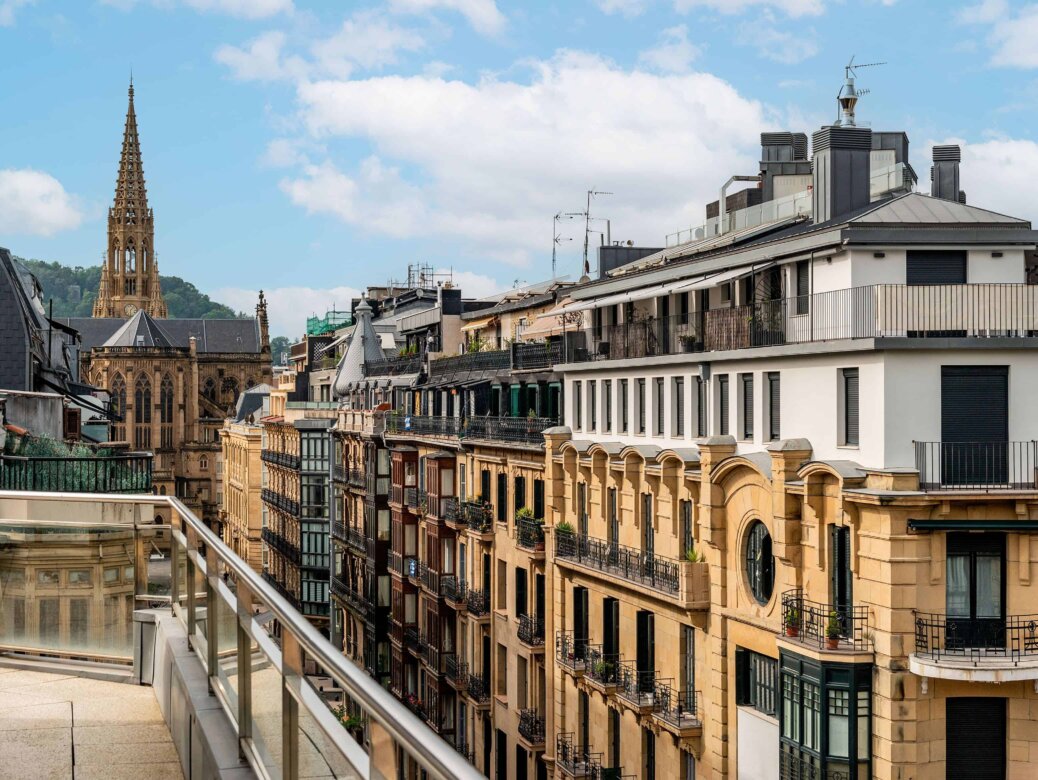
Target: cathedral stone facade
x,y
172,381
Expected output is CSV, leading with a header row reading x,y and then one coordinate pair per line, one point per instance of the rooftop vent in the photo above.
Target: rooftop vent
x,y
842,171
944,174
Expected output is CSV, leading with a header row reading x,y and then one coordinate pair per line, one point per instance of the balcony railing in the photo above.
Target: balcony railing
x,y
528,356
128,473
471,361
1007,465
478,602
637,686
825,625
531,726
575,760
283,459
395,366
519,430
678,708
278,501
235,652
284,546
479,516
1013,638
453,590
875,311
629,563
339,531
570,650
529,533
478,689
356,478
285,593
603,668
456,671
423,425
531,630
356,539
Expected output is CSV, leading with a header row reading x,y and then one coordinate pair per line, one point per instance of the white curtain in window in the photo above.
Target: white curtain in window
x,y
958,590
989,586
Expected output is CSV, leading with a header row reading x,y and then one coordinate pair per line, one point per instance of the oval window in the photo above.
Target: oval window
x,y
760,563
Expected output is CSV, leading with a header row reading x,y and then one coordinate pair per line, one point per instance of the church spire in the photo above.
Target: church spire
x,y
130,277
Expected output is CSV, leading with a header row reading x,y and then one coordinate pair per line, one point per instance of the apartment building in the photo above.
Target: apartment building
x,y
243,513
793,506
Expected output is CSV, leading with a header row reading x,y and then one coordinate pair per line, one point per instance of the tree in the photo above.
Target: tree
x,y
279,345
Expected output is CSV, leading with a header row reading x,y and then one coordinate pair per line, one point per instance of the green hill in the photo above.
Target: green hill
x,y
73,291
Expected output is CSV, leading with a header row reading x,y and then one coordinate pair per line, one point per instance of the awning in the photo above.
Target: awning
x,y
548,323
946,524
404,380
703,283
478,324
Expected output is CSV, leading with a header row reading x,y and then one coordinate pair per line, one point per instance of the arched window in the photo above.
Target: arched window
x,y
130,263
209,389
142,412
118,402
230,388
203,463
760,562
166,411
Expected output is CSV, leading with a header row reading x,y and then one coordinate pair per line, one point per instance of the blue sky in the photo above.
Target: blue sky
x,y
314,148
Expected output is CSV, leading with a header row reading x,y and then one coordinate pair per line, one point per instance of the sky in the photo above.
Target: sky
x,y
314,148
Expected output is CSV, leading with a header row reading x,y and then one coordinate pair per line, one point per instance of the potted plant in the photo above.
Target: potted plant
x,y
792,621
692,555
688,342
832,631
603,670
565,527
564,538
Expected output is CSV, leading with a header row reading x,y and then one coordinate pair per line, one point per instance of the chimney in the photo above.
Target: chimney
x,y
841,171
944,174
782,155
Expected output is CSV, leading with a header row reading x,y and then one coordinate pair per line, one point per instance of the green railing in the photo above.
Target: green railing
x,y
128,473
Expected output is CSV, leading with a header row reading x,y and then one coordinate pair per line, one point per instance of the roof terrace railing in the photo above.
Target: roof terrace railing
x,y
228,610
123,473
869,312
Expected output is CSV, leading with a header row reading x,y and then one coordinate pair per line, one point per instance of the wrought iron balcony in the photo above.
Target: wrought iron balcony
x,y
401,564
423,425
531,726
600,667
453,590
637,686
678,709
517,430
450,510
570,651
478,602
971,465
356,539
1012,639
339,473
285,547
573,759
457,671
280,502
339,531
529,533
394,366
479,516
357,478
127,473
478,689
283,459
527,356
412,637
531,630
628,563
281,589
824,625
493,360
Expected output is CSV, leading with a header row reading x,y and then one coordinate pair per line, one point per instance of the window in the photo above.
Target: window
x,y
722,404
624,408
760,563
700,406
803,286
726,292
142,412
687,542
747,406
614,519
648,530
679,406
578,406
520,493
607,405
582,507
538,498
660,403
774,407
640,401
502,498
592,406
926,267
755,680
849,380
520,592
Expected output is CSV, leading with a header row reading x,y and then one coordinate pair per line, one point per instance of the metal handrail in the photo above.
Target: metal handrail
x,y
207,555
641,566
1012,637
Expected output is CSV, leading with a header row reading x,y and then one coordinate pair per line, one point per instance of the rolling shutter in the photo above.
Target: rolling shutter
x,y
976,738
747,406
967,389
935,267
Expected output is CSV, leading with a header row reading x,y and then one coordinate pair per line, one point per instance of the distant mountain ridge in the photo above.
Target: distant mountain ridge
x,y
73,290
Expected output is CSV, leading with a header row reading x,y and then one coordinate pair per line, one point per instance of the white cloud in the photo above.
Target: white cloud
x,y
1011,35
673,53
778,45
287,307
260,59
7,9
243,9
473,285
628,8
999,175
483,15
984,12
35,203
366,40
788,7
486,164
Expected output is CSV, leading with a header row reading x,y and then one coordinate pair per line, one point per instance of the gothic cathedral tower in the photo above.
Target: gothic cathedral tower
x,y
130,273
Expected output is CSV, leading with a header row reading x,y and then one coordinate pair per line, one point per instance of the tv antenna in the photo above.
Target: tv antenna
x,y
557,237
587,225
848,96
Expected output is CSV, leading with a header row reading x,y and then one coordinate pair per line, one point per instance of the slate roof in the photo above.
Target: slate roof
x,y
251,401
238,335
141,330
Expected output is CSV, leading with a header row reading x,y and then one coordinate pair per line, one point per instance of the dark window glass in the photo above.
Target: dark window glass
x,y
760,563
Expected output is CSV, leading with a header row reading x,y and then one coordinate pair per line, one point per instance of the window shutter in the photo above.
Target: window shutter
x,y
850,401
935,267
747,406
774,407
722,386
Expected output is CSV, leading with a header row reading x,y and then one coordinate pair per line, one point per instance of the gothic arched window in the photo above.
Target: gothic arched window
x,y
142,412
118,395
131,258
230,387
209,389
166,411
